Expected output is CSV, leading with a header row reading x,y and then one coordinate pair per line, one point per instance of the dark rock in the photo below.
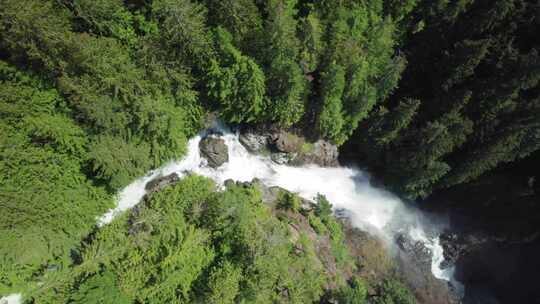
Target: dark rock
x,y
286,142
495,268
414,262
229,183
214,150
253,141
288,148
321,153
281,158
326,154
455,245
271,194
160,182
307,205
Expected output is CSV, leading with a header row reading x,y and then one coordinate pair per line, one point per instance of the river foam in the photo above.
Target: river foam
x,y
348,189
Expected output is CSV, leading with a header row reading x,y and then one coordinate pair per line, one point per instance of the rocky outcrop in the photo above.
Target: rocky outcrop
x,y
321,153
287,148
254,142
286,142
160,182
414,262
494,268
214,150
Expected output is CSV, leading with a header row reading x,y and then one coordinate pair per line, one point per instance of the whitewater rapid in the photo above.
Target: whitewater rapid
x,y
348,189
15,298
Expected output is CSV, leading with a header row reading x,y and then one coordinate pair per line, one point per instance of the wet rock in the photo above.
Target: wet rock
x,y
288,148
414,262
253,141
229,183
456,246
271,194
322,153
286,142
307,205
214,150
416,252
160,182
281,158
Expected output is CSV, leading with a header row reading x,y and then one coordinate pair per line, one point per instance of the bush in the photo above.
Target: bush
x,y
354,293
394,292
317,224
289,201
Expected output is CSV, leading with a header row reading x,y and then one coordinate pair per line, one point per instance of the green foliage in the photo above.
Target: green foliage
x,y
241,18
323,209
116,161
316,223
100,289
359,68
48,203
235,82
93,94
385,125
339,249
286,84
289,201
393,292
182,29
105,17
311,41
331,116
354,293
224,284
190,243
472,116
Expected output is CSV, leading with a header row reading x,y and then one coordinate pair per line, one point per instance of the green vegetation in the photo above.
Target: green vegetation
x,y
477,108
393,292
289,201
189,243
94,94
353,293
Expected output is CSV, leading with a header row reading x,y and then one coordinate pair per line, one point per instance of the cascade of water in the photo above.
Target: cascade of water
x,y
15,298
349,189
369,207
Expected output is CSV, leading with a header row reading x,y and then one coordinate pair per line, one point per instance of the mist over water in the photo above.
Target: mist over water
x,y
11,299
348,189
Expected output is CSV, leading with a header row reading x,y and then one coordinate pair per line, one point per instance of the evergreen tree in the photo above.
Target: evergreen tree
x,y
286,84
331,115
235,82
240,18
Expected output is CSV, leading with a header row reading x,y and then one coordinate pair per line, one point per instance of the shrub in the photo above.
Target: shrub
x,y
394,292
289,201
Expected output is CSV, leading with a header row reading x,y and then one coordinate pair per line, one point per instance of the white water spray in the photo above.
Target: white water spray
x,y
15,298
349,189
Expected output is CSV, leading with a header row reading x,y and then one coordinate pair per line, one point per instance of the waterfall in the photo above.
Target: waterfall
x,y
348,189
15,298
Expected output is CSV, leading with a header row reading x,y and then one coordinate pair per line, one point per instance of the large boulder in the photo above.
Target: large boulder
x,y
214,150
253,141
160,182
322,153
286,142
414,262
288,148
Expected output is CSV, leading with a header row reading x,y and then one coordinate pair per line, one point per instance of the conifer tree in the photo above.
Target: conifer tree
x,y
286,85
235,82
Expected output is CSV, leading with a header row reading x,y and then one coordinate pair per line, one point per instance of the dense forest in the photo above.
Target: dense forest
x,y
431,96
